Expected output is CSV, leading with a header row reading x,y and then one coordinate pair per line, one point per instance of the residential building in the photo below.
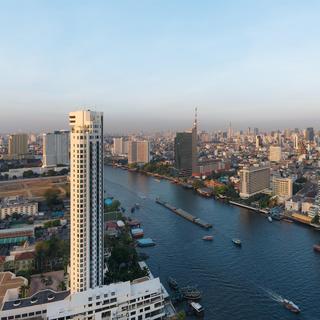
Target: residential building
x,y
315,208
86,189
282,187
118,146
17,204
16,235
253,180
56,148
138,152
18,145
275,154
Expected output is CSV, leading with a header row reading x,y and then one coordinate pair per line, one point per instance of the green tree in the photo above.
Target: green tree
x,y
52,197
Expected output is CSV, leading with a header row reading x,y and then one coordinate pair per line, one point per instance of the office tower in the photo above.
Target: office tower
x,y
185,150
282,187
258,142
253,180
56,148
256,131
18,145
309,134
275,154
117,146
138,152
86,186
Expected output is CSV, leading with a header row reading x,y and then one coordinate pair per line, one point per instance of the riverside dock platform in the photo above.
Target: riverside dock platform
x,y
184,214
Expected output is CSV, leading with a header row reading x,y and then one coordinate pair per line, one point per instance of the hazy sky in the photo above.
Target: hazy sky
x,y
147,63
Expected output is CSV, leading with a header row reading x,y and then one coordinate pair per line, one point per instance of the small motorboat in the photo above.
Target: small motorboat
x,y
207,238
290,306
270,219
196,309
237,242
173,284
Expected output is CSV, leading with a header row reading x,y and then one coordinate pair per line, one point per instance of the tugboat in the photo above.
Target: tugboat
x,y
207,238
196,309
173,284
237,242
290,306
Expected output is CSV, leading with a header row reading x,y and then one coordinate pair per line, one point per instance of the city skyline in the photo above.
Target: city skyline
x,y
146,64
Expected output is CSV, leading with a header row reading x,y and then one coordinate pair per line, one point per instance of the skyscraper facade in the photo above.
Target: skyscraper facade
x,y
86,185
185,151
309,134
18,145
138,152
55,148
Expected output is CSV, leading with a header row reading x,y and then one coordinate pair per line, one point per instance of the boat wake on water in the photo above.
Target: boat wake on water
x,y
273,295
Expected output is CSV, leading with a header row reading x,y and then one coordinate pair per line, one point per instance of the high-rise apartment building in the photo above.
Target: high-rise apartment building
x,y
275,154
56,148
86,186
185,151
253,180
18,145
258,142
282,187
139,152
117,146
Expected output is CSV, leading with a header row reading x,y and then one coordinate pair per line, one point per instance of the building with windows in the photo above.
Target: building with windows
x,y
275,154
55,148
11,205
88,297
139,152
185,151
253,180
86,190
282,187
18,145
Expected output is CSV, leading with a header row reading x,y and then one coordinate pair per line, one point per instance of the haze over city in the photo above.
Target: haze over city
x,y
147,64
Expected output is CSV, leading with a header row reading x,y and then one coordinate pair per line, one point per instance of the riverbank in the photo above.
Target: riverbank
x,y
220,198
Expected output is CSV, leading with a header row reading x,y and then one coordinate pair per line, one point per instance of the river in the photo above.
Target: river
x,y
276,259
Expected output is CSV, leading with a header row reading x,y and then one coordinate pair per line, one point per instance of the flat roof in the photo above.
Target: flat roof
x,y
8,281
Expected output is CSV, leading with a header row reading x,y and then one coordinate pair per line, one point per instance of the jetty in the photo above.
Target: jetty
x,y
184,214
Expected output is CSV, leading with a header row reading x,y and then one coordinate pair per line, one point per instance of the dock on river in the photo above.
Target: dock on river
x,y
184,214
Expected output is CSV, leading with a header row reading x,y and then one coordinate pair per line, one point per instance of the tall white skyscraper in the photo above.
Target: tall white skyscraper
x,y
86,262
55,148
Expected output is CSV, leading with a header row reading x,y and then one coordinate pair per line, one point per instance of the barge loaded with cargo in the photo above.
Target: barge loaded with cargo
x,y
184,214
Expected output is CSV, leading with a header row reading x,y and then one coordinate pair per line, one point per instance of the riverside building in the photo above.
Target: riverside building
x,y
88,298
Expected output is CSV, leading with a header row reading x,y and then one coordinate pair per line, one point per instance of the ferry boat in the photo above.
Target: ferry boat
x,y
196,309
191,293
207,238
316,247
237,242
290,306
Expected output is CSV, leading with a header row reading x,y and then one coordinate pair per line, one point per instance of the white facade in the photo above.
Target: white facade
x,y
55,148
275,154
86,186
118,146
126,301
17,205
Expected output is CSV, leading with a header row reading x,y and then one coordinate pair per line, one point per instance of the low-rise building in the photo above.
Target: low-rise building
x,y
11,205
140,299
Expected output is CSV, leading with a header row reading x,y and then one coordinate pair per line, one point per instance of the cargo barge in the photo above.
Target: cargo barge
x,y
184,214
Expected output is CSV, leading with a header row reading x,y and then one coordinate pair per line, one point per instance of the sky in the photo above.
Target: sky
x,y
147,63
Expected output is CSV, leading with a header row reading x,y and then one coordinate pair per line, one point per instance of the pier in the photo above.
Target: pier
x,y
184,214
